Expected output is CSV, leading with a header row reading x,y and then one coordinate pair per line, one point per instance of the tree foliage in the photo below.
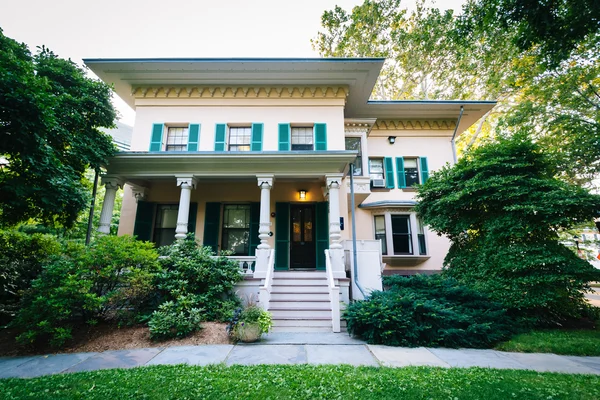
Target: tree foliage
x,y
50,113
502,209
482,54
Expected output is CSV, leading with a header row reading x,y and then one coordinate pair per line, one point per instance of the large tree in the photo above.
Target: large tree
x,y
435,55
50,113
502,208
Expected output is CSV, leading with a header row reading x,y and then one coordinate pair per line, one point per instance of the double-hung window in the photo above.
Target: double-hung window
x,y
165,224
400,234
411,171
177,138
239,138
302,138
353,143
236,229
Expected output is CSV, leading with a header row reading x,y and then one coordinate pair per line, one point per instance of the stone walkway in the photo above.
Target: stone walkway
x,y
296,348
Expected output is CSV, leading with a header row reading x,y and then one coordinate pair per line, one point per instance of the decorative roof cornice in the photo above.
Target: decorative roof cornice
x,y
358,125
229,91
417,124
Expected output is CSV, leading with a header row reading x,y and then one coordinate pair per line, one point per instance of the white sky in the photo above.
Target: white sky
x,y
79,29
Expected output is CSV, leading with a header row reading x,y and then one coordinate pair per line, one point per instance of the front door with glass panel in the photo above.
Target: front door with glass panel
x,y
302,236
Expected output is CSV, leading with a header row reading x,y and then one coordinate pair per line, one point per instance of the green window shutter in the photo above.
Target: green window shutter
x,y
388,167
254,225
400,171
284,137
424,170
144,217
156,138
192,218
322,233
320,136
212,218
282,236
220,137
194,137
257,135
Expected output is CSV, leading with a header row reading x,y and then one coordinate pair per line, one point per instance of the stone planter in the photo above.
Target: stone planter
x,y
248,332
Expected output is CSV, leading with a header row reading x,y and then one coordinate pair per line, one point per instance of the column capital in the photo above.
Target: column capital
x,y
266,180
186,181
139,192
112,182
334,180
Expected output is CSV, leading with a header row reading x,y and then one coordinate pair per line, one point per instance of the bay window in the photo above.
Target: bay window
x,y
401,234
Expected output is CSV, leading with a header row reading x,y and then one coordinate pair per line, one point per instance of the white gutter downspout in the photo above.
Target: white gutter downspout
x,y
354,258
454,134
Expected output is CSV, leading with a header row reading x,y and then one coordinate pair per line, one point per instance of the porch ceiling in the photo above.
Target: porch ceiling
x,y
145,165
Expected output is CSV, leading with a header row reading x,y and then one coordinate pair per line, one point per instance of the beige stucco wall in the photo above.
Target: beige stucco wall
x,y
232,111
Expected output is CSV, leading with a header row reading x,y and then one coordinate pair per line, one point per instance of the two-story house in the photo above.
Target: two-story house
x,y
254,157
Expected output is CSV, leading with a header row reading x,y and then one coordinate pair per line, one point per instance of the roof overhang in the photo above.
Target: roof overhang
x,y
389,204
359,74
423,110
150,165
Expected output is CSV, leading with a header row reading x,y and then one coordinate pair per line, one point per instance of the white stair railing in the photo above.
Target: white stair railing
x,y
264,296
334,294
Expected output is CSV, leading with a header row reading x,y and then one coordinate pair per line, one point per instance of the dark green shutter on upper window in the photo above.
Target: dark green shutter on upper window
x,y
284,137
254,241
282,236
194,137
424,170
212,218
220,137
192,218
400,171
156,137
322,233
257,135
320,136
144,217
388,166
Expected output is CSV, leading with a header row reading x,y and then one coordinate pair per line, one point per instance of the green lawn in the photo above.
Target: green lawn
x,y
304,382
569,342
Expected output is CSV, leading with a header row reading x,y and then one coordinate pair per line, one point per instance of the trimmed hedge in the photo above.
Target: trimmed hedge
x,y
429,311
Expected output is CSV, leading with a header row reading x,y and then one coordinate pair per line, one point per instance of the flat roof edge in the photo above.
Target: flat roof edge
x,y
458,102
241,59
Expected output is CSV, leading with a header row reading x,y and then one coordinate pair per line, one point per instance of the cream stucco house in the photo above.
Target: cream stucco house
x,y
254,155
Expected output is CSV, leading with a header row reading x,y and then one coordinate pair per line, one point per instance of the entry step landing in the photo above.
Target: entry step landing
x,y
300,302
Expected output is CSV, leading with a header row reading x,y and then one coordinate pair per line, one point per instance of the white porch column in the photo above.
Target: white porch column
x,y
335,234
265,182
336,250
111,186
186,184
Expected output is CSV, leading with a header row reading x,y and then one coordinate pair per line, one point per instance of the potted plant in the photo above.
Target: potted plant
x,y
249,323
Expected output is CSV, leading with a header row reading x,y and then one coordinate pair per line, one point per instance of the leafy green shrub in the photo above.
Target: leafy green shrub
x,y
86,284
206,281
248,317
21,260
428,311
175,319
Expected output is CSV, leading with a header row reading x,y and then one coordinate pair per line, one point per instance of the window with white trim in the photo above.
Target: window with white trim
x,y
165,224
177,138
354,143
411,171
239,138
396,231
236,229
376,170
302,138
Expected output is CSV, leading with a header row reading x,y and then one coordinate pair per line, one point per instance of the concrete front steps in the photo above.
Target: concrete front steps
x,y
300,302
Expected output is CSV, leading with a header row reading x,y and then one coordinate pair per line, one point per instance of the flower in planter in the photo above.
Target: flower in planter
x,y
249,323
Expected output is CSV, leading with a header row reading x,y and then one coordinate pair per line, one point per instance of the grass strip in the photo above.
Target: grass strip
x,y
303,382
568,342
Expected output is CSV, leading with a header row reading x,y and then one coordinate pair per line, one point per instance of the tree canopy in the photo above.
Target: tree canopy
x,y
502,208
50,113
544,86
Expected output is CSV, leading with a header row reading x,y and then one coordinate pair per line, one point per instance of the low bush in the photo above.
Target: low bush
x,y
21,258
83,285
206,281
429,311
175,319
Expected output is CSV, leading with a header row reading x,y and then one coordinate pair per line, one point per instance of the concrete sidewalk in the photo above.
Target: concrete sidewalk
x,y
296,348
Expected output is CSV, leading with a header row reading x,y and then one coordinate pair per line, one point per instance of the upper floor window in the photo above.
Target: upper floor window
x,y
353,143
177,139
377,172
239,138
302,138
411,171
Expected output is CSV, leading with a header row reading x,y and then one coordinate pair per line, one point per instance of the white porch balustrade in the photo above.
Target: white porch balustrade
x,y
264,296
334,294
